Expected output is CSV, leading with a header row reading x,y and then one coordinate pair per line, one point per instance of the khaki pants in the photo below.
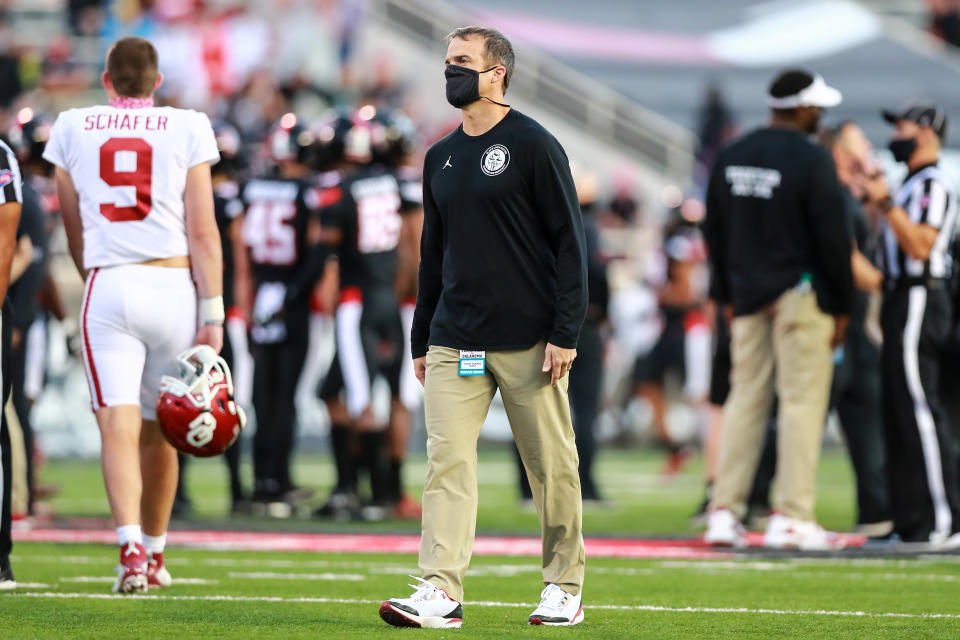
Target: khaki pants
x,y
539,415
19,493
782,352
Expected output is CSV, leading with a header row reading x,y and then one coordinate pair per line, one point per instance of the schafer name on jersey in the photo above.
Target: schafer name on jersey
x,y
127,121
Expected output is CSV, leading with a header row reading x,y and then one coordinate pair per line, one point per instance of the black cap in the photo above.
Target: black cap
x,y
925,114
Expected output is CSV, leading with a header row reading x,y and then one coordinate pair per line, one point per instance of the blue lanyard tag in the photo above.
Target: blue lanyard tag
x,y
472,363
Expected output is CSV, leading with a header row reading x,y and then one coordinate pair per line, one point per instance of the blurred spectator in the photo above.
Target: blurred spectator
x,y
856,377
624,205
716,127
945,20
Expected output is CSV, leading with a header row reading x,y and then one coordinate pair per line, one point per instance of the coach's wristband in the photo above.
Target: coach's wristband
x,y
211,310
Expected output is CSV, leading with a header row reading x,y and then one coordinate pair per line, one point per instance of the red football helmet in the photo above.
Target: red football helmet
x,y
197,412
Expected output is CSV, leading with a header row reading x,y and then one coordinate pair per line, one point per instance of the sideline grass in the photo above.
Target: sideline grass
x,y
643,503
813,598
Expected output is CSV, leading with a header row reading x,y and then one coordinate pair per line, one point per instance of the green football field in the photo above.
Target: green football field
x,y
65,588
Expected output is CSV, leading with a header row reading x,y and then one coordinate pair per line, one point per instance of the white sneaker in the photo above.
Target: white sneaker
x,y
558,608
723,529
428,607
945,543
789,533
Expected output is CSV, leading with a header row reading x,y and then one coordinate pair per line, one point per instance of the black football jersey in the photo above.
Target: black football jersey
x,y
367,207
227,207
275,227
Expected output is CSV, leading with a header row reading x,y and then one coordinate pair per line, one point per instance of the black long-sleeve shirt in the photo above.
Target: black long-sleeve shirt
x,y
503,259
774,212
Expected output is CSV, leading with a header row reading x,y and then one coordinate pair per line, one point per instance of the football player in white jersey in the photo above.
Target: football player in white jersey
x,y
135,191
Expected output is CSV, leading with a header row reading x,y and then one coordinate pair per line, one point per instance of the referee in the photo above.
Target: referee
x,y
501,301
916,256
10,201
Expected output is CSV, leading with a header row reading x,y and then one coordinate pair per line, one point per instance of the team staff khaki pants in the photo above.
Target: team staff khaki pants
x,y
783,352
539,414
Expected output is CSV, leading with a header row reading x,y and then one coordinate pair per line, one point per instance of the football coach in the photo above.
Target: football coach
x,y
502,297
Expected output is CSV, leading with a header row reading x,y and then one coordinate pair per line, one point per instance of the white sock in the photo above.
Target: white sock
x,y
129,533
155,544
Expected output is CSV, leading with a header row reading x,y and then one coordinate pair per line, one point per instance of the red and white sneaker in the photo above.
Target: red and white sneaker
x,y
157,574
407,509
428,607
724,529
784,532
558,608
132,570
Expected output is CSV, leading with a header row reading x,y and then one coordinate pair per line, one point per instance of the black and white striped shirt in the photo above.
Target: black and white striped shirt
x,y
929,197
10,181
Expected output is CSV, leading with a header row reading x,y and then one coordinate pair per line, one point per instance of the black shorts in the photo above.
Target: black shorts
x,y
666,356
381,342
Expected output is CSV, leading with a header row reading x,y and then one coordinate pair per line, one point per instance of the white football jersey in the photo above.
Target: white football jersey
x,y
129,167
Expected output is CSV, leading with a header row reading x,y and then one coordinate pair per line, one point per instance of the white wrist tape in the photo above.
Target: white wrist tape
x,y
211,310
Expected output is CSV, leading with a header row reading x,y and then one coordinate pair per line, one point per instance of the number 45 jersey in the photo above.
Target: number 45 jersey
x,y
129,167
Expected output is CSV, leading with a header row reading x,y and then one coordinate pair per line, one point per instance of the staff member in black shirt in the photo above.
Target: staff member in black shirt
x,y
502,297
916,254
780,250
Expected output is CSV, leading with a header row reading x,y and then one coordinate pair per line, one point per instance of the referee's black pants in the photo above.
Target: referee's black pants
x,y
921,449
6,542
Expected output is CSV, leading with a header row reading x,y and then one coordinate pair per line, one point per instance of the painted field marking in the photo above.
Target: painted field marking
x,y
383,543
607,607
269,575
790,567
112,579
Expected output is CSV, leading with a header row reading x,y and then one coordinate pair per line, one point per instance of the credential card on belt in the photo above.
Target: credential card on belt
x,y
472,363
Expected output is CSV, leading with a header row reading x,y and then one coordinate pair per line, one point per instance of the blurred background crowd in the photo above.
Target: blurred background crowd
x,y
642,97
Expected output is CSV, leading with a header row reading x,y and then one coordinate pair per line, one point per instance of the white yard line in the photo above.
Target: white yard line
x,y
789,567
268,575
608,607
112,579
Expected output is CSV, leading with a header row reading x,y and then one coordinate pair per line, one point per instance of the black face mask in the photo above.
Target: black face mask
x,y
902,148
463,85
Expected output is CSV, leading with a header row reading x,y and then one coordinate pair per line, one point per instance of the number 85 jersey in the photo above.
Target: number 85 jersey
x,y
129,168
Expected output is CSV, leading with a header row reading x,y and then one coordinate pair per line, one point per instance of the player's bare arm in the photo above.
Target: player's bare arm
x,y
206,259
70,211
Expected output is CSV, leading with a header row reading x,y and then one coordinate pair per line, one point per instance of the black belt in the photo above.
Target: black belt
x,y
928,282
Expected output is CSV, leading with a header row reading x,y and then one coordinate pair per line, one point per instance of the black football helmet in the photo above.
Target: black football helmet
x,y
330,130
229,144
289,140
399,137
28,134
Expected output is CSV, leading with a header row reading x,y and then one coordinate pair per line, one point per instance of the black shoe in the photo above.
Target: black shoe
x,y
182,507
241,507
6,576
293,495
342,506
